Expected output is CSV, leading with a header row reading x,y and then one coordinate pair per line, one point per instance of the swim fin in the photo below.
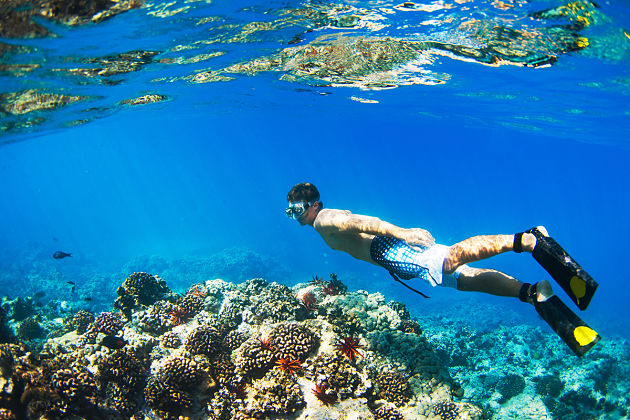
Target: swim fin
x,y
573,331
570,275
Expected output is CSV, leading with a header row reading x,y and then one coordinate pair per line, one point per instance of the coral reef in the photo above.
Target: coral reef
x,y
81,320
140,289
388,412
292,341
393,387
204,340
255,357
447,410
510,386
232,359
29,329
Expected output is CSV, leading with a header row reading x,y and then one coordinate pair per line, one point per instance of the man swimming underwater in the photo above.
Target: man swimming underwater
x,y
413,253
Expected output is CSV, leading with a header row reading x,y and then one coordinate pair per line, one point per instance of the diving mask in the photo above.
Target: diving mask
x,y
297,209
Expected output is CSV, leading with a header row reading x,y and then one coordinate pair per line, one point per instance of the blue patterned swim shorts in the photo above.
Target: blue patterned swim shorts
x,y
397,257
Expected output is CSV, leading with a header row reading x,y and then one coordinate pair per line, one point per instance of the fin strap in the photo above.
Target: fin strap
x,y
518,246
523,294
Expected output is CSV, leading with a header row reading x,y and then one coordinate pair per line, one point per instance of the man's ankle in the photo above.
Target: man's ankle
x,y
523,242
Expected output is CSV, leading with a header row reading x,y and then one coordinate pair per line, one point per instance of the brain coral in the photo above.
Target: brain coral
x,y
145,288
191,303
233,340
549,385
170,340
29,329
276,303
340,375
393,387
167,400
182,373
123,368
447,410
388,412
204,340
81,320
510,386
292,341
224,370
255,357
278,394
106,323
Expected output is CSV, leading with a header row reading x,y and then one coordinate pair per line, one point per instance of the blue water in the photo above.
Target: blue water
x,y
495,149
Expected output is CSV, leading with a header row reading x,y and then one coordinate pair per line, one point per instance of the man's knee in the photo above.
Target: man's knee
x,y
451,262
467,279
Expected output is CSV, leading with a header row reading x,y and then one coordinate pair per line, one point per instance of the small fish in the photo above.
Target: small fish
x,y
113,342
60,254
87,299
39,294
73,285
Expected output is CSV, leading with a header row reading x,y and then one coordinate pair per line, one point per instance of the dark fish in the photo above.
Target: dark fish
x,y
72,284
87,299
113,342
60,254
39,294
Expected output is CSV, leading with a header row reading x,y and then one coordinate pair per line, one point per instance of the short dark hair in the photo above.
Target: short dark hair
x,y
304,191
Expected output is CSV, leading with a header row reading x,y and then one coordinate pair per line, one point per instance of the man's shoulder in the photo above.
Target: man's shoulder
x,y
334,212
327,218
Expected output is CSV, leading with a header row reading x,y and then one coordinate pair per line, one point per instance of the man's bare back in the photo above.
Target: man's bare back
x,y
353,233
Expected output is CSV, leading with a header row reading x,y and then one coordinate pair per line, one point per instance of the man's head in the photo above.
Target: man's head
x,y
304,203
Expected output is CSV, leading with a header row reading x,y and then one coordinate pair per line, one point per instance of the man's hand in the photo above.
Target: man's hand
x,y
417,236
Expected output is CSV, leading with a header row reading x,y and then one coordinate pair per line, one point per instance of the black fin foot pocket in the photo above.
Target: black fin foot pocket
x,y
571,329
570,275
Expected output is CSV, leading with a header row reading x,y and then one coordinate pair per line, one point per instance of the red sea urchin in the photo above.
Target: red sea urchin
x,y
317,281
197,290
289,366
239,390
330,289
320,393
265,343
349,346
309,301
179,316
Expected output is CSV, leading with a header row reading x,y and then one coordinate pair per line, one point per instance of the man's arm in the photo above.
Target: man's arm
x,y
330,221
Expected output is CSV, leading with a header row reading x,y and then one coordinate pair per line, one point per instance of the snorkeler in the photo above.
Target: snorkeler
x,y
413,253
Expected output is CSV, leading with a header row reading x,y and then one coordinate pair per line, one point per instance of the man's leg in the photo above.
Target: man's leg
x,y
488,281
485,246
